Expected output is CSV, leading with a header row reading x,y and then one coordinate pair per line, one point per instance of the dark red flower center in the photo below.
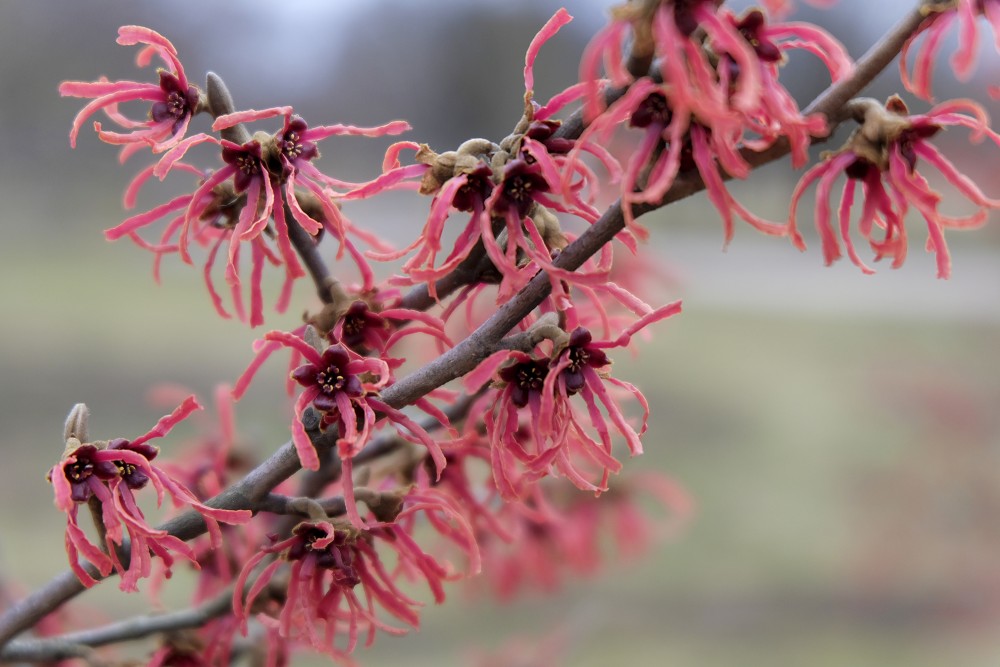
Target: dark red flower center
x,y
176,105
521,184
247,164
79,471
578,358
330,379
525,378
476,189
292,145
531,377
337,556
752,29
653,110
859,169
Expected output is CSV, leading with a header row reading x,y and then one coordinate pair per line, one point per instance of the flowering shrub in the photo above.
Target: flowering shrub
x,y
500,325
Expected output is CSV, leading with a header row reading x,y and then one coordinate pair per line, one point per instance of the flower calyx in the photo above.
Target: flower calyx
x,y
472,159
882,126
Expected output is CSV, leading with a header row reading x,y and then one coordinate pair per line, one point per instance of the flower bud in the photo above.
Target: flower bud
x,y
76,423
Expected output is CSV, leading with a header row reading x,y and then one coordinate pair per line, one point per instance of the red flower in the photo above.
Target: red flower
x,y
338,584
257,185
174,100
511,189
535,428
289,156
343,386
883,156
106,475
210,217
705,106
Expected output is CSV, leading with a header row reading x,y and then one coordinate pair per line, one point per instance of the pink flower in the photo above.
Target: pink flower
x,y
338,584
174,101
344,388
209,217
705,106
511,190
106,475
883,156
289,156
549,536
536,429
268,178
940,17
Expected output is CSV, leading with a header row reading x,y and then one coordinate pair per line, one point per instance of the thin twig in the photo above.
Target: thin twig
x,y
75,644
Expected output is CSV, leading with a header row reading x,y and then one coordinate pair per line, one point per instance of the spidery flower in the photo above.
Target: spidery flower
x,y
173,100
883,156
534,425
267,178
710,98
338,584
344,388
512,190
106,475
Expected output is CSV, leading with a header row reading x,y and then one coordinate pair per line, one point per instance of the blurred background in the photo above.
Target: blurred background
x,y
839,432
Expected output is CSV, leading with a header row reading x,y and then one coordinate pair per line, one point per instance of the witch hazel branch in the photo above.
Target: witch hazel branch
x,y
506,333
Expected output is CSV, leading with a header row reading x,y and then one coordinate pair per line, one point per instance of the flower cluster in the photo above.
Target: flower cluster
x,y
705,99
174,101
883,155
106,475
339,586
267,184
542,425
511,189
534,426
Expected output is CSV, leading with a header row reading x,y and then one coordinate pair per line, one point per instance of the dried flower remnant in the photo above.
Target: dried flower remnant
x,y
105,475
883,156
941,15
174,100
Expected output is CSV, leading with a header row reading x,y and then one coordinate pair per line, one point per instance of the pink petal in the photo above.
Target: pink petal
x,y
229,120
551,27
167,422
